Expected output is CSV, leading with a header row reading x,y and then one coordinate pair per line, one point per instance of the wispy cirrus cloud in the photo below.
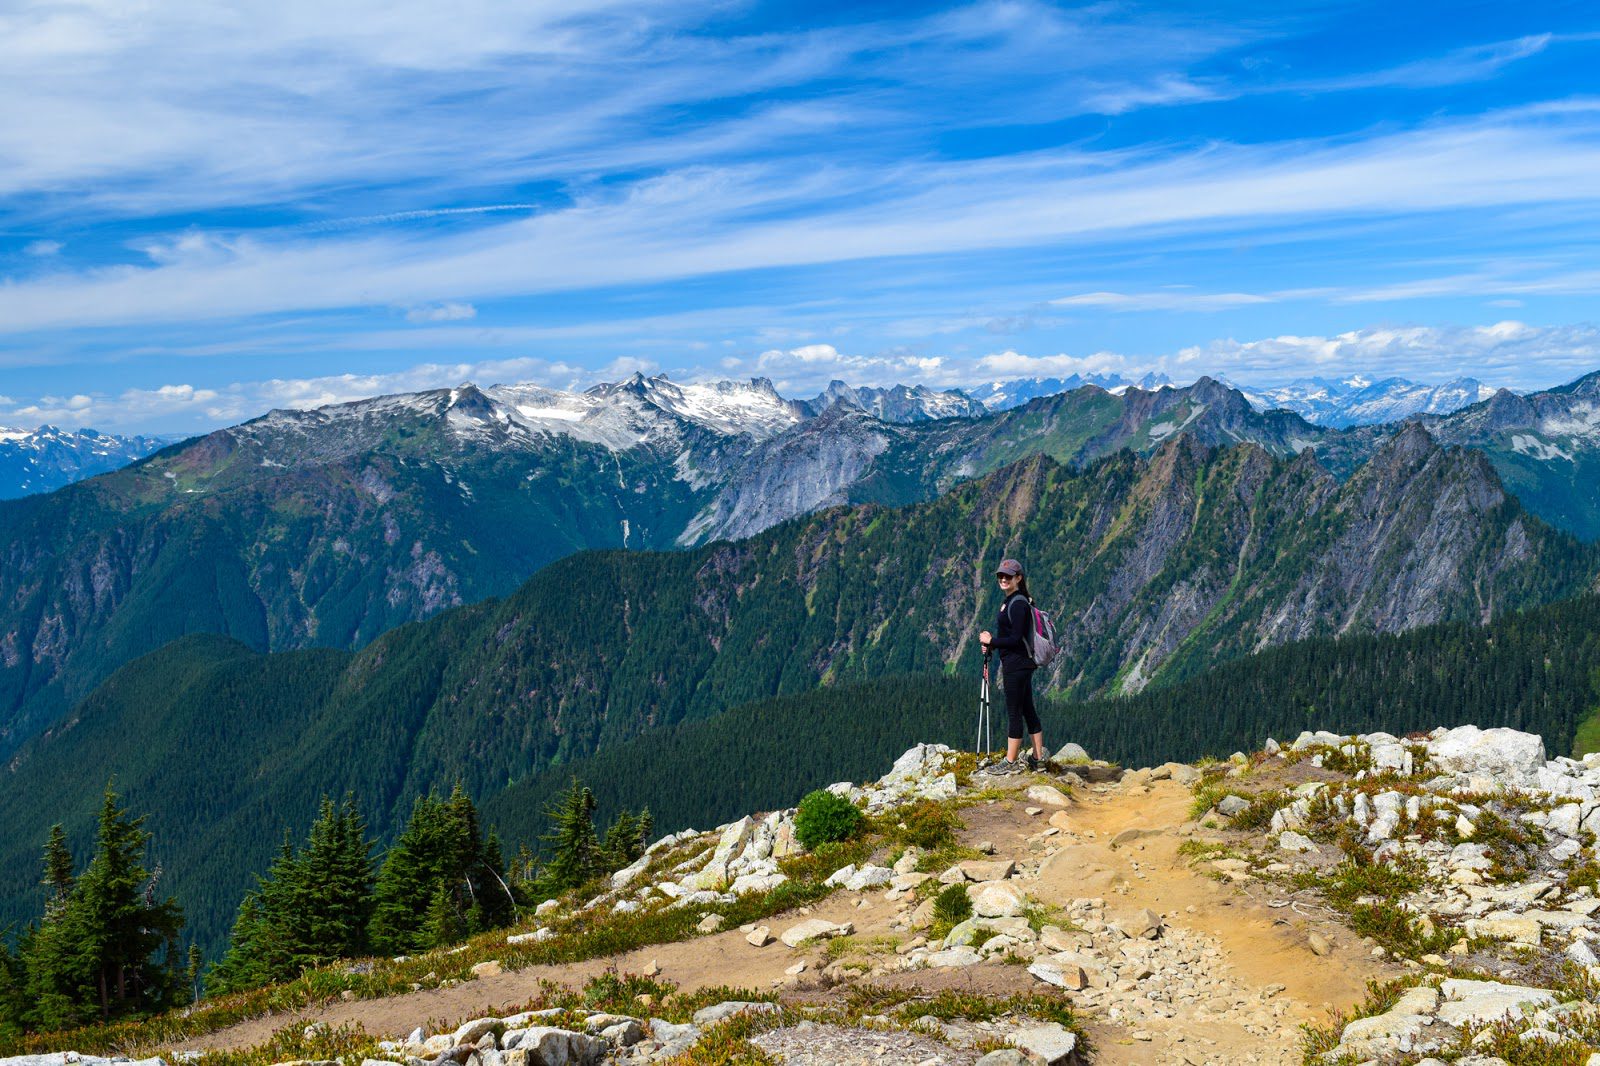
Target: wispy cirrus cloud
x,y
1167,300
713,220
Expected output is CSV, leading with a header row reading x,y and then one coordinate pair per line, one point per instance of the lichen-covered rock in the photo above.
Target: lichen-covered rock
x,y
1508,755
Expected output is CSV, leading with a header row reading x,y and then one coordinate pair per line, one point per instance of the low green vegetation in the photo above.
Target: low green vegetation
x,y
825,817
951,907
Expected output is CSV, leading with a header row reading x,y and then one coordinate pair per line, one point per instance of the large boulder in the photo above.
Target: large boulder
x,y
996,899
1481,1002
1513,758
815,929
1050,1044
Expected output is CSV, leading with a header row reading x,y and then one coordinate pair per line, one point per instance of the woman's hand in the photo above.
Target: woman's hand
x,y
985,637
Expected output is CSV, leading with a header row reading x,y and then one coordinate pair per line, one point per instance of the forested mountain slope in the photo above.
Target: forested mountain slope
x,y
328,527
1160,567
1537,671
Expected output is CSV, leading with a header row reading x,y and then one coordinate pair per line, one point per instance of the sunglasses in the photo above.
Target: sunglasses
x,y
1006,577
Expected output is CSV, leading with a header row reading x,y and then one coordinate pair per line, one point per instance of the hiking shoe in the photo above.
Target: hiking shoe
x,y
1039,762
1000,768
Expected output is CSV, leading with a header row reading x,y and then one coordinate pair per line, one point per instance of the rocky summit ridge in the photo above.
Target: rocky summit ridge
x,y
1366,898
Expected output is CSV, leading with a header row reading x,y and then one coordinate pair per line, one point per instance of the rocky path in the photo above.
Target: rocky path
x,y
1229,978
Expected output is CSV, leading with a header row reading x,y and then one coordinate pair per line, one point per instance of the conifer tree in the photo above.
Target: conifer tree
x,y
440,860
573,848
647,829
334,882
110,950
11,1000
191,974
312,906
57,870
621,842
442,925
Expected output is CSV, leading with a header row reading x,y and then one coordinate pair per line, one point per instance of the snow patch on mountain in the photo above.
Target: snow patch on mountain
x,y
900,403
1529,445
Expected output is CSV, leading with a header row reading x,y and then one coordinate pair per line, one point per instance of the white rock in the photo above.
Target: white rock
x,y
1048,796
1510,756
1384,1034
996,899
1321,738
714,1014
756,882
815,929
1050,1044
954,957
840,876
1295,842
1067,975
1478,1002
868,877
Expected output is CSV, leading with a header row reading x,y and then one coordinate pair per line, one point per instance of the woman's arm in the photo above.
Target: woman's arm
x,y
1017,640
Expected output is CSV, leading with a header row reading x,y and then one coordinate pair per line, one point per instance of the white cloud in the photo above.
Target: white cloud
x,y
1504,353
1171,300
1010,364
43,249
1508,352
711,220
450,312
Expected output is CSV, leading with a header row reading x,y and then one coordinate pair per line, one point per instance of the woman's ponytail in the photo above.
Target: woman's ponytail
x,y
1022,586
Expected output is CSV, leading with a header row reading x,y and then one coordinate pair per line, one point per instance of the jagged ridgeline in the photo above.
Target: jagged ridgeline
x,y
1160,568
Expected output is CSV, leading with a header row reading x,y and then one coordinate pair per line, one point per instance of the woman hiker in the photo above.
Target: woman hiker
x,y
1016,669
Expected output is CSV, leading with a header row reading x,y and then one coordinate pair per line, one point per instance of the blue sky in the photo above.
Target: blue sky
x,y
207,210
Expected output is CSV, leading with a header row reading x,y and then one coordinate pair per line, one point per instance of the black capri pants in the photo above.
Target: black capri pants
x,y
1019,704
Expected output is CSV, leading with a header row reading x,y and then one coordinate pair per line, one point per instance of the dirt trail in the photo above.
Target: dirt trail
x,y
1262,946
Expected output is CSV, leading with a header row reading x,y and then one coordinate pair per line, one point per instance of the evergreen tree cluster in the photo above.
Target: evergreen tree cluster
x,y
576,853
442,880
106,947
312,905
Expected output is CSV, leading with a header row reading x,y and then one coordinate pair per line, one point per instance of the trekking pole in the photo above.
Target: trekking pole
x,y
983,745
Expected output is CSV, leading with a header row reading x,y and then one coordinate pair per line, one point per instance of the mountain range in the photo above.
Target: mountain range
x,y
46,458
1161,566
1358,401
329,527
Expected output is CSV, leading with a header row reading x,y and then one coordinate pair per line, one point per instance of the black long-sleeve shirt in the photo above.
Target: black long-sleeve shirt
x,y
1012,633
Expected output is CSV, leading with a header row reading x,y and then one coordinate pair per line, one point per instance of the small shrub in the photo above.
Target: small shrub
x,y
1262,807
951,906
926,824
824,818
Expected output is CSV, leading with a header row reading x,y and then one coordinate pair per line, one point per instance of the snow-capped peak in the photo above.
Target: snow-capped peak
x,y
1358,400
